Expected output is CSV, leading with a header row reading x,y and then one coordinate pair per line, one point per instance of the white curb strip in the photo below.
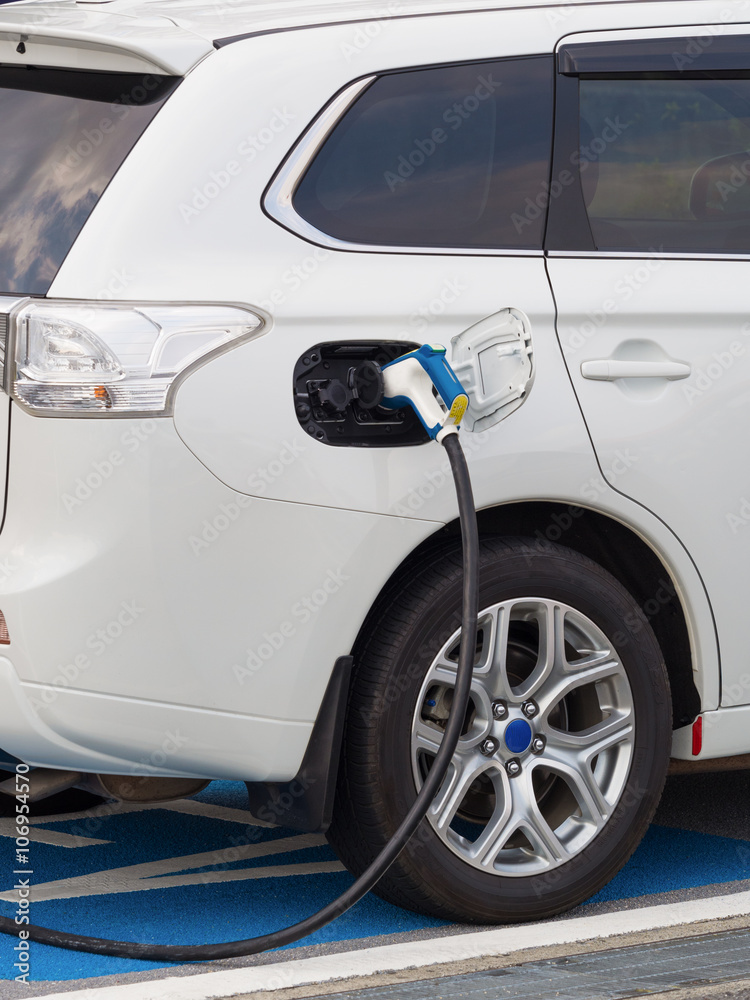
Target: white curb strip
x,y
393,957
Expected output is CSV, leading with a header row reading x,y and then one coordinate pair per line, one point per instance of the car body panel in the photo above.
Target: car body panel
x,y
211,475
678,447
119,632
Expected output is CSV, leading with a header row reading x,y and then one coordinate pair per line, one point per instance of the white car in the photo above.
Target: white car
x,y
220,560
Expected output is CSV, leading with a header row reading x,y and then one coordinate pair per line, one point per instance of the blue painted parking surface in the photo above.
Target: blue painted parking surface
x,y
195,872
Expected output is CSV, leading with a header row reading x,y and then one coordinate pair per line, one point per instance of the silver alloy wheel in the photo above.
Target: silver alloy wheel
x,y
547,741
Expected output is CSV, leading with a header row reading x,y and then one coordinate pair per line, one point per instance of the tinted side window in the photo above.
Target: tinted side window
x,y
455,156
665,163
64,134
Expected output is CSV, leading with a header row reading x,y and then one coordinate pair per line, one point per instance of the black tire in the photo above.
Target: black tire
x,y
380,764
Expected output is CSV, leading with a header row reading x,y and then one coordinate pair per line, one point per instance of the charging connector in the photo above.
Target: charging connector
x,y
415,378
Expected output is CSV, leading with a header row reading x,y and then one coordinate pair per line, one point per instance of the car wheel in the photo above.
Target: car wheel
x,y
564,749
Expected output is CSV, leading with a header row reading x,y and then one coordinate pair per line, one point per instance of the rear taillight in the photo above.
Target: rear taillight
x,y
94,358
697,736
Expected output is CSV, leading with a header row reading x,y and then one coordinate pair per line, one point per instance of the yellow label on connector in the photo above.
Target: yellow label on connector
x,y
458,409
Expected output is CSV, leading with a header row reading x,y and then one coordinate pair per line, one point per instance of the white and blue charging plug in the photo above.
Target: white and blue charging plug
x,y
410,380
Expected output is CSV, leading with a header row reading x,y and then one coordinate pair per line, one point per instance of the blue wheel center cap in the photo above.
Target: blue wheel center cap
x,y
518,736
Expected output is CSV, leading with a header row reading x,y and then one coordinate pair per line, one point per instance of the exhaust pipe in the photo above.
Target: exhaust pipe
x,y
140,788
43,782
46,781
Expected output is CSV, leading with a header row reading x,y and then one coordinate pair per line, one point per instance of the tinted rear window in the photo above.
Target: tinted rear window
x,y
454,156
64,135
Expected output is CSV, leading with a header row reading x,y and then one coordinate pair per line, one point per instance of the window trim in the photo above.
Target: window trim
x,y
567,219
277,201
649,254
728,53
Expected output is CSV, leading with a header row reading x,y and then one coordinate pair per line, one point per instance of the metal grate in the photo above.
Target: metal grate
x,y
605,975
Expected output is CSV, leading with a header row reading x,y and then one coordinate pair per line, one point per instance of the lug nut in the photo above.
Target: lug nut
x,y
530,709
489,746
538,744
513,767
499,709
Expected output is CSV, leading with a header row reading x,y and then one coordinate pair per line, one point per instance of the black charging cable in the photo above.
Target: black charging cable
x,y
418,811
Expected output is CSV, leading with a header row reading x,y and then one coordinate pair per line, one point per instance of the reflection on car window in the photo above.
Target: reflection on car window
x,y
453,156
64,135
665,163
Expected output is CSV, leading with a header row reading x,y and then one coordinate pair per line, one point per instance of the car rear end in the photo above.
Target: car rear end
x,y
156,621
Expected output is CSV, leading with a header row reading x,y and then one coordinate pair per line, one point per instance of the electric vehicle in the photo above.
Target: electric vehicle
x,y
223,557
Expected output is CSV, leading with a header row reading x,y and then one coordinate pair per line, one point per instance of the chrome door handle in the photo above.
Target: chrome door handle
x,y
610,369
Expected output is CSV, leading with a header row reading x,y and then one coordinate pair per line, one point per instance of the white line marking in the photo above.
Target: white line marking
x,y
391,958
136,878
187,806
86,885
242,874
105,810
55,837
192,808
62,891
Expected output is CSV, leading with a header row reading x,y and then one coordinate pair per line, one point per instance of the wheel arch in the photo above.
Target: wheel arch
x,y
614,546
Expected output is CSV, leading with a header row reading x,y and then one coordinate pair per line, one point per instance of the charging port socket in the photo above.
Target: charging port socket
x,y
337,391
